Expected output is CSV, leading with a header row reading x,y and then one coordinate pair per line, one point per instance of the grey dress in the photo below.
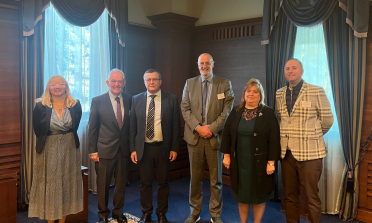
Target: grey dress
x,y
57,188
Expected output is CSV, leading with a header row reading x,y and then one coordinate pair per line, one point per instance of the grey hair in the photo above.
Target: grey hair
x,y
115,70
151,71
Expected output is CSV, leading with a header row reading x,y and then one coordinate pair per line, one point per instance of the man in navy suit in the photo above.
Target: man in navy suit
x,y
109,144
155,136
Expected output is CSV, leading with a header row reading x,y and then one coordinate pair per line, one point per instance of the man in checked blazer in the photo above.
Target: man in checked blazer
x,y
305,115
207,101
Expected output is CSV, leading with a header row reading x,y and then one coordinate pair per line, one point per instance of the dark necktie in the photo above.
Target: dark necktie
x,y
205,95
118,113
150,119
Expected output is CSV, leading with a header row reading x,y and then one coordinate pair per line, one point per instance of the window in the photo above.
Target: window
x,y
310,49
79,54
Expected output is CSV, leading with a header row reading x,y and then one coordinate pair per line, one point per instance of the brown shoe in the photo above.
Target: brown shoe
x,y
192,219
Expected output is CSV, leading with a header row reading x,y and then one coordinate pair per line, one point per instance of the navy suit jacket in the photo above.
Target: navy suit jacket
x,y
105,136
41,123
170,123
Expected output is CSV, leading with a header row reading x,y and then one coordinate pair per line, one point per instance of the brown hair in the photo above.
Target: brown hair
x,y
252,82
47,100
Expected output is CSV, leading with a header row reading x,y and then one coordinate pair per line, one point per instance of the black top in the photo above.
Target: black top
x,y
41,123
265,143
292,100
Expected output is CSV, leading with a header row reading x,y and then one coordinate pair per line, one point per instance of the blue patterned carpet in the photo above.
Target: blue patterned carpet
x,y
179,207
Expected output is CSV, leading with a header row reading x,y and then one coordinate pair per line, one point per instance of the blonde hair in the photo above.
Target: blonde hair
x,y
252,82
46,98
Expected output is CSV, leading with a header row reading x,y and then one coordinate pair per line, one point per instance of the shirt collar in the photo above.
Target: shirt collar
x,y
113,96
158,94
298,86
209,78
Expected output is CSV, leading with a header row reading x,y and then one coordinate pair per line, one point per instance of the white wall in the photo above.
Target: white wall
x,y
208,11
218,11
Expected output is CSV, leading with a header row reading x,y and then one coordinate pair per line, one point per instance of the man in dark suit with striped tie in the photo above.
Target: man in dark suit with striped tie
x,y
155,136
109,144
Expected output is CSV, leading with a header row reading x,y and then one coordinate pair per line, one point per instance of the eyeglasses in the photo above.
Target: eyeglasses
x,y
206,63
60,85
153,80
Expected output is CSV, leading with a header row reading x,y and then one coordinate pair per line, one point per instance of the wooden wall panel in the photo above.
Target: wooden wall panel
x,y
140,56
10,108
10,99
238,56
10,121
365,169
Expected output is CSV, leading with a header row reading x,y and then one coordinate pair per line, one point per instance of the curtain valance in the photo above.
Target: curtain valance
x,y
76,12
79,13
311,13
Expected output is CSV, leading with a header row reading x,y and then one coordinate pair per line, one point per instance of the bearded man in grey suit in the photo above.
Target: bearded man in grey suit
x,y
207,101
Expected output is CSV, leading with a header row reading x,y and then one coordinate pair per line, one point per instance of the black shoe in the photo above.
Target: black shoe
x,y
120,219
103,220
146,218
162,218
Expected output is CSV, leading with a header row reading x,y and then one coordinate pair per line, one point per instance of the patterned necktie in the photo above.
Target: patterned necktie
x,y
119,116
205,95
150,119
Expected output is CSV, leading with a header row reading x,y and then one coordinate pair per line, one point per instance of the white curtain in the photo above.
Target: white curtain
x,y
311,51
81,55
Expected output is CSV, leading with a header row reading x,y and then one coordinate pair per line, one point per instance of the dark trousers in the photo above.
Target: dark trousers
x,y
304,175
197,155
105,168
153,158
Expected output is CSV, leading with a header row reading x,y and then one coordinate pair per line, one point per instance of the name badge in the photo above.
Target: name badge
x,y
221,96
306,104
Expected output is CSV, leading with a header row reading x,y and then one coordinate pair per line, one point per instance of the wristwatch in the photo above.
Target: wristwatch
x,y
271,164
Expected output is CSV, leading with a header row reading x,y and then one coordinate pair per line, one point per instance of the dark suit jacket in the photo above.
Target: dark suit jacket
x,y
105,136
170,123
41,122
266,144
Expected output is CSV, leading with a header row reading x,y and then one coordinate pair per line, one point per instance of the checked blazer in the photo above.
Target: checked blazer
x,y
302,131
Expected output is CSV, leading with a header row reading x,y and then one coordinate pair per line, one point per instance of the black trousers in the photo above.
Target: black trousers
x,y
105,169
153,158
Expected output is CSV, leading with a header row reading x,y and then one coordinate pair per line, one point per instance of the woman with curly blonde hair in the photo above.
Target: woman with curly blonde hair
x,y
57,188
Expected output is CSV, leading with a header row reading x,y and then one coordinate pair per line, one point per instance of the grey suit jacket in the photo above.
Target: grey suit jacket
x,y
218,108
105,137
170,123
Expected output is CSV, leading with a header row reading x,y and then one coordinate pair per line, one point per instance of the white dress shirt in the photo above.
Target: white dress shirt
x,y
158,137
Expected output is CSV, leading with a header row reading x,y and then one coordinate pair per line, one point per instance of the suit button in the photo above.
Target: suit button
x,y
289,122
258,161
255,134
256,149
